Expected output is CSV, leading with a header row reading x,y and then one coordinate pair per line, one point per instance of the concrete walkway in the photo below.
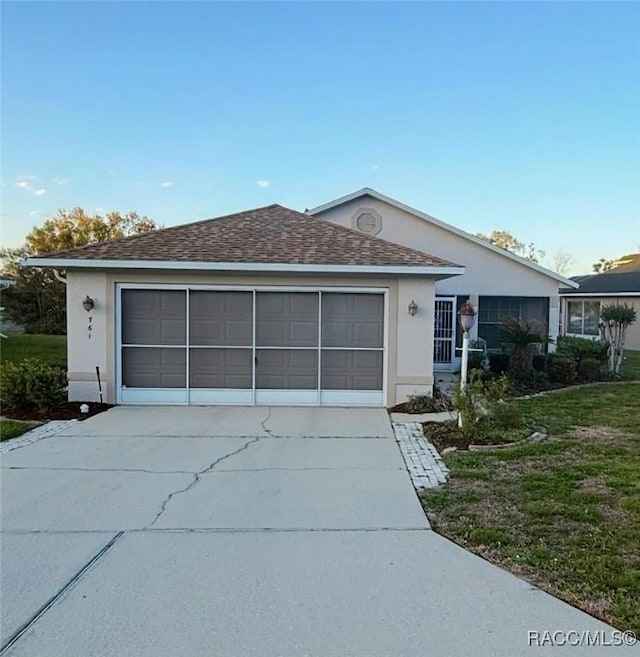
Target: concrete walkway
x,y
244,532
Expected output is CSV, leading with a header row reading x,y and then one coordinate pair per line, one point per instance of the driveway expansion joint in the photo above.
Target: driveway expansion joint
x,y
72,469
15,637
197,475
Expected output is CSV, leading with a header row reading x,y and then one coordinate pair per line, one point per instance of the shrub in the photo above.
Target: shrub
x,y
589,369
580,348
561,369
479,399
427,404
478,360
533,381
499,362
32,385
506,415
539,362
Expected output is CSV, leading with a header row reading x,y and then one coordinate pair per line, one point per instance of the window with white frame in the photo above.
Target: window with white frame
x,y
583,317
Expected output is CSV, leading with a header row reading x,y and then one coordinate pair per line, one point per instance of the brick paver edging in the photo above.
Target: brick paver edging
x,y
425,465
33,436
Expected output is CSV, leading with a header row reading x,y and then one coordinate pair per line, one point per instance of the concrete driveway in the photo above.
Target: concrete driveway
x,y
245,532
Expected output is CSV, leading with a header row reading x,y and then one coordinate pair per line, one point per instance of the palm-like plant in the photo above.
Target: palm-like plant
x,y
520,335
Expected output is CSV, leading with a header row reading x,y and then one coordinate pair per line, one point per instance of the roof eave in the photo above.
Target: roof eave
x,y
367,191
438,272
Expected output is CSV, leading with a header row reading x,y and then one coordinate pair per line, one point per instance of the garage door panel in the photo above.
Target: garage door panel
x,y
286,319
351,370
220,318
154,367
287,369
352,320
220,368
154,317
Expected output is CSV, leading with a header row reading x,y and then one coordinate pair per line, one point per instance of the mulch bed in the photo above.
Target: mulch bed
x,y
445,434
68,411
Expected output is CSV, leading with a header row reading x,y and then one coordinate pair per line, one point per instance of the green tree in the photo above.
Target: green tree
x,y
505,240
603,265
37,298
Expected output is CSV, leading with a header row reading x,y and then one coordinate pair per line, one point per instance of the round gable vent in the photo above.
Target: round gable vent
x,y
368,221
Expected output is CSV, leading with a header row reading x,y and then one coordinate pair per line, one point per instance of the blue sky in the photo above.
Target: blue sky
x,y
517,116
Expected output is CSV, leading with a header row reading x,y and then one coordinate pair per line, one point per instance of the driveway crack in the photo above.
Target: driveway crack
x,y
264,422
196,478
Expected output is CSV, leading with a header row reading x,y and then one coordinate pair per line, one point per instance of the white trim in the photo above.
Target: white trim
x,y
286,267
319,383
117,324
352,398
153,396
385,350
233,396
450,365
269,397
254,352
367,191
596,295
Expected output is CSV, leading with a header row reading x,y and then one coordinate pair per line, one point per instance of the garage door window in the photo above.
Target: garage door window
x,y
251,346
154,338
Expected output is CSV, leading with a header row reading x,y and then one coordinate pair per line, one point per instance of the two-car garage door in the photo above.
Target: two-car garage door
x,y
250,346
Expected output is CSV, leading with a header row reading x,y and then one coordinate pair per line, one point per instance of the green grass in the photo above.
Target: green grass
x,y
14,428
51,349
614,405
631,364
564,513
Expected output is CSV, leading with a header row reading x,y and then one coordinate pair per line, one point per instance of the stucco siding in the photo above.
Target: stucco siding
x,y
487,272
409,358
89,335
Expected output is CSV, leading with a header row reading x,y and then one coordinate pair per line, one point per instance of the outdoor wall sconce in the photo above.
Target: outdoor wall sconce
x,y
88,303
413,308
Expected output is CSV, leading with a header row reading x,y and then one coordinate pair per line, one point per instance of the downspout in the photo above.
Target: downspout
x,y
59,277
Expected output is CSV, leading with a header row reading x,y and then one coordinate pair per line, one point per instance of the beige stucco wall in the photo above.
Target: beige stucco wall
x,y
632,340
409,365
487,272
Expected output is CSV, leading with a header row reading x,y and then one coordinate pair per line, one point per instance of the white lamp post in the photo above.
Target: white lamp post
x,y
467,317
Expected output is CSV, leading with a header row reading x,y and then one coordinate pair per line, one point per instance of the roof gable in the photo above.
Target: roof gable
x,y
269,235
372,193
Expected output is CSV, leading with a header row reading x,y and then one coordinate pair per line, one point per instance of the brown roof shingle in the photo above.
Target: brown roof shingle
x,y
272,234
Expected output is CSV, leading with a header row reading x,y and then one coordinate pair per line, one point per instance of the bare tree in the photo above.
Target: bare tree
x,y
562,262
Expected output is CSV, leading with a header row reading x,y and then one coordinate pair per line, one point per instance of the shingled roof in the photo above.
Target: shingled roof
x,y
272,234
611,282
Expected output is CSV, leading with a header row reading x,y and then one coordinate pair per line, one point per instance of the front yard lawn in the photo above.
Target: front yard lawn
x,y
565,513
51,349
14,428
631,365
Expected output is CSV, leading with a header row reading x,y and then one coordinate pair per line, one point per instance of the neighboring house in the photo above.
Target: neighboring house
x,y
581,307
496,282
268,306
339,306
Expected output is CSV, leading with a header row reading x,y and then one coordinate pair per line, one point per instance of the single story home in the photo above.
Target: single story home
x,y
580,309
351,303
496,282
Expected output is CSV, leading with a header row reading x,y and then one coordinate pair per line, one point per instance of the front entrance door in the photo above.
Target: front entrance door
x,y
444,334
